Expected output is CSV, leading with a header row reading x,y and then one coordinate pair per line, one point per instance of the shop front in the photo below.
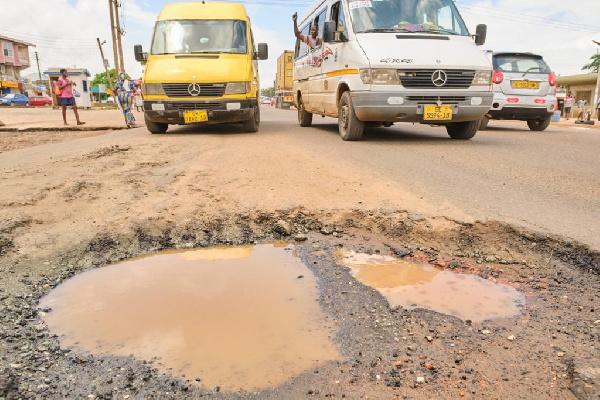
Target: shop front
x,y
7,87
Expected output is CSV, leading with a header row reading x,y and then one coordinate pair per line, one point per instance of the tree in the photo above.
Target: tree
x,y
101,79
594,65
268,92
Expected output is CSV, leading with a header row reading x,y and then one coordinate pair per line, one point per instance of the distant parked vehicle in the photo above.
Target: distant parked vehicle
x,y
14,100
40,101
265,100
524,90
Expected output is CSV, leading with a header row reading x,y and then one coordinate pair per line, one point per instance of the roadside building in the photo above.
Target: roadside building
x,y
14,57
582,86
80,76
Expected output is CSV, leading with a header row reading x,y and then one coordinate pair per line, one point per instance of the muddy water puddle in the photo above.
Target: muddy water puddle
x,y
416,285
241,318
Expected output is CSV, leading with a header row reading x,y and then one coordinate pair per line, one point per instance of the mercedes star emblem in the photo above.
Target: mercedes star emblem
x,y
194,89
439,78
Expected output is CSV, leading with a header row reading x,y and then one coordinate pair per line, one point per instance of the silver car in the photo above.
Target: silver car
x,y
524,89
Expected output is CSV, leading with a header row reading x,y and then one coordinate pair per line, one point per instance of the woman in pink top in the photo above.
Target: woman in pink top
x,y
65,84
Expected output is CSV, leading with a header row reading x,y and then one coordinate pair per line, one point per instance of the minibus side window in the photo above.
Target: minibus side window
x,y
301,47
320,22
337,15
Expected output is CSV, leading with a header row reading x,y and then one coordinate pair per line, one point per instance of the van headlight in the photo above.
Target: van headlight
x,y
379,76
152,88
237,88
482,78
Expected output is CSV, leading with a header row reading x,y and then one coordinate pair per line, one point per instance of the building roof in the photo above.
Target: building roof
x,y
2,37
201,10
580,79
71,71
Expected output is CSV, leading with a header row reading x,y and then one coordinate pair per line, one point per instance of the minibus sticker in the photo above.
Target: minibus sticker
x,y
360,4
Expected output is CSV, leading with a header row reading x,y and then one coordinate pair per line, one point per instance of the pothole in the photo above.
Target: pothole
x,y
412,285
241,318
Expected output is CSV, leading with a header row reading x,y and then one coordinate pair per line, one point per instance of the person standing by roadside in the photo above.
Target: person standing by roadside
x,y
598,110
65,84
139,102
581,104
568,105
123,89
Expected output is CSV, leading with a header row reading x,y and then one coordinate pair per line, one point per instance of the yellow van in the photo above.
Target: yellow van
x,y
202,67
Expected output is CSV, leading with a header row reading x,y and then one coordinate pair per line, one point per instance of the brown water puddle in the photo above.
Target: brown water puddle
x,y
236,317
416,285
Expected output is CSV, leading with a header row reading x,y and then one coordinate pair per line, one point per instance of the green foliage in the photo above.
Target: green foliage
x,y
593,65
268,92
101,79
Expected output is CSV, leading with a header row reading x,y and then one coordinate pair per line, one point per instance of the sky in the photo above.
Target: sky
x,y
65,31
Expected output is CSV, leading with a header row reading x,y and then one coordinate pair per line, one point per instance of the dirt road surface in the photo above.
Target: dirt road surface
x,y
511,205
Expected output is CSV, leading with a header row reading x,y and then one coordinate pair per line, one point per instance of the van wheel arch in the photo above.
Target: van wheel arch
x,y
342,88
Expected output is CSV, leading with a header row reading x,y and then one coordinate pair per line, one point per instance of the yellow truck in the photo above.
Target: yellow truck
x,y
284,97
202,67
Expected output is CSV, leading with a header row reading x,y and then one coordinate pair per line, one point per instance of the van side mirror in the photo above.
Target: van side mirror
x,y
263,52
480,34
331,34
140,56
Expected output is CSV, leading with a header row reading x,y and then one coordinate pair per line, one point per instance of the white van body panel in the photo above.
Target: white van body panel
x,y
325,72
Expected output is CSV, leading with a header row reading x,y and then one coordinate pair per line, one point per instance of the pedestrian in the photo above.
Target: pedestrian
x,y
139,101
65,85
581,104
568,105
123,90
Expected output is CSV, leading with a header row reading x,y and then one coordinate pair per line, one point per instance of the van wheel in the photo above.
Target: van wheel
x,y
463,130
304,117
155,127
538,124
484,123
351,128
251,126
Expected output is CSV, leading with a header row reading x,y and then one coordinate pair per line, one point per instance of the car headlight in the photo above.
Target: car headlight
x,y
152,88
379,76
482,78
237,88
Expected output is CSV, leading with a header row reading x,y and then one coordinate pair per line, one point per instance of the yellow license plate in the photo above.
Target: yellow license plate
x,y
436,113
195,116
525,85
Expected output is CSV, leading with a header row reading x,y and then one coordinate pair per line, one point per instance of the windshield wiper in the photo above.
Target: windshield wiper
x,y
379,30
211,52
531,69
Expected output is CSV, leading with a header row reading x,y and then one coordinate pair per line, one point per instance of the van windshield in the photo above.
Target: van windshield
x,y
200,36
431,16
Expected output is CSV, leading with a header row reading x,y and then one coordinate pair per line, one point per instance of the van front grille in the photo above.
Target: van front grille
x,y
189,105
202,89
422,78
435,99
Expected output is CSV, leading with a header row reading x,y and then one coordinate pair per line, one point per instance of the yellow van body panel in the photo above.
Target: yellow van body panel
x,y
209,10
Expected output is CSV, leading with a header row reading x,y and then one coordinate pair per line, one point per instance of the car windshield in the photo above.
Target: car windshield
x,y
524,64
9,96
431,16
200,36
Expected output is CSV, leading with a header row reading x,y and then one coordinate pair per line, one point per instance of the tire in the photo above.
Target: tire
x,y
538,125
252,125
12,104
463,130
351,128
304,117
484,123
155,127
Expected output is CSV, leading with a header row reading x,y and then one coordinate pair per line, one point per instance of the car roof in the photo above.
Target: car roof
x,y
201,10
516,53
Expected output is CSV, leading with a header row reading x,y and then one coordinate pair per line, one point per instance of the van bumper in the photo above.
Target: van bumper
x,y
408,106
219,111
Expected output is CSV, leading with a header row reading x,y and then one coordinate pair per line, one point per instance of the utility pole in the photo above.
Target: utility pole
x,y
597,92
119,32
114,38
37,59
106,68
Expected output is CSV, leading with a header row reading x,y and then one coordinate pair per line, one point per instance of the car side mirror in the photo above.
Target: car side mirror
x,y
480,34
263,52
140,56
